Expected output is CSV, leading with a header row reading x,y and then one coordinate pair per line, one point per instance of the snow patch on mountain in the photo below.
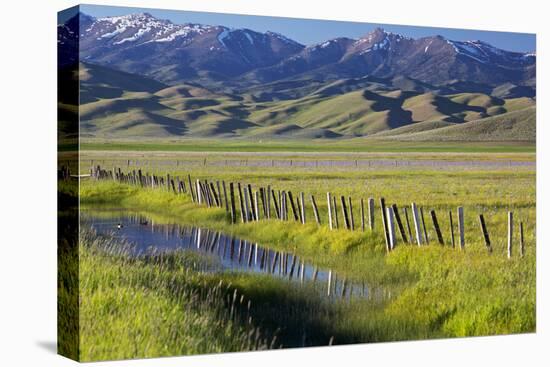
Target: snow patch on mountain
x,y
140,33
224,34
249,37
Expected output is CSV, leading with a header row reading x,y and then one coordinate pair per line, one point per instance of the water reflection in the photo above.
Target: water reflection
x,y
230,253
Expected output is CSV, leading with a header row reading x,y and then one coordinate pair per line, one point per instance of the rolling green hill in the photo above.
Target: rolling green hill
x,y
517,125
117,105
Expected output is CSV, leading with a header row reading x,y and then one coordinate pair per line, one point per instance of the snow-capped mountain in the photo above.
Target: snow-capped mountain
x,y
434,60
211,54
176,52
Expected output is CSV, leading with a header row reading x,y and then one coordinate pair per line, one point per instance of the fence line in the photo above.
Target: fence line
x,y
214,195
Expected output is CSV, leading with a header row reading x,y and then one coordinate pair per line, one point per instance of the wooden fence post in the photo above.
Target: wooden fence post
x,y
262,196
335,212
216,199
460,211
243,217
424,226
521,243
409,231
220,202
510,233
362,209
232,195
485,233
268,197
225,196
371,213
199,193
302,208
247,213
256,208
292,206
391,228
385,223
275,205
345,212
416,221
351,220
191,188
399,223
253,214
452,229
329,207
315,210
436,227
284,214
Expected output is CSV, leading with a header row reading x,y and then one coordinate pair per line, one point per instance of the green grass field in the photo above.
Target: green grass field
x,y
274,145
430,292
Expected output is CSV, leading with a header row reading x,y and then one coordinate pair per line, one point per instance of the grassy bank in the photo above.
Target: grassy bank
x,y
153,306
432,291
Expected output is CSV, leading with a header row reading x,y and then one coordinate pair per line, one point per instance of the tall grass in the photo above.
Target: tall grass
x,y
155,305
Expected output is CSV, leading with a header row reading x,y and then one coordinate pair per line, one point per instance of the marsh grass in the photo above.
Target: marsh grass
x,y
154,305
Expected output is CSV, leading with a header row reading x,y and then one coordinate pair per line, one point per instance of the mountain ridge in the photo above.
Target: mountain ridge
x,y
220,57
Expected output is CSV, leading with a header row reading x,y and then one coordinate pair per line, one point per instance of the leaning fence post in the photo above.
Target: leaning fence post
x,y
329,207
247,212
351,220
391,227
485,232
510,233
335,212
199,193
424,226
406,213
460,211
344,212
399,223
225,196
292,205
315,210
256,208
416,221
253,214
243,217
275,205
436,227
220,202
268,197
262,196
191,188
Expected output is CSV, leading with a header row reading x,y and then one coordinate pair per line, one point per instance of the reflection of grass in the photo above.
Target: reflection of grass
x,y
432,291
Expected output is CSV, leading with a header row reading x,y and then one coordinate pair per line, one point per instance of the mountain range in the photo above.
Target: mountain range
x,y
146,77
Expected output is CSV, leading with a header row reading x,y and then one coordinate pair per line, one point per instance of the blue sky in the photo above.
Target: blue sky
x,y
309,32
